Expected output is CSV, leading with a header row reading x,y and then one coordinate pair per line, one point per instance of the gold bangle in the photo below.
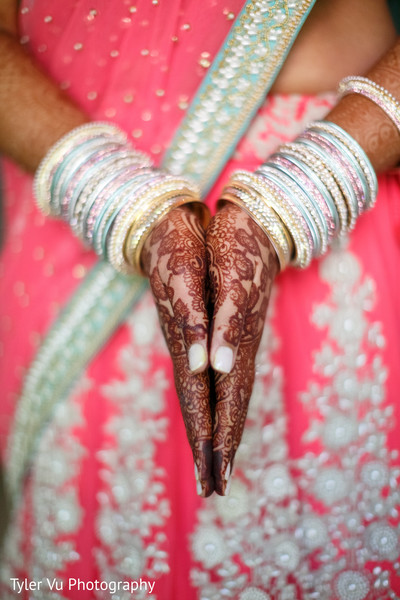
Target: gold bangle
x,y
141,230
142,213
302,251
265,217
129,215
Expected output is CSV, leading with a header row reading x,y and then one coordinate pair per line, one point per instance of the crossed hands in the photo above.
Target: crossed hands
x,y
211,290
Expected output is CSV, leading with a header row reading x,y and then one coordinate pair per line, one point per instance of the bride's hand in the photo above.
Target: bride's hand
x,y
242,266
174,260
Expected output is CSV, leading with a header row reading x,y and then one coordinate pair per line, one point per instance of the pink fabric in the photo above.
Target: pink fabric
x,y
139,66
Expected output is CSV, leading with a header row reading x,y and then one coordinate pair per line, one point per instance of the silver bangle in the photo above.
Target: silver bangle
x,y
375,92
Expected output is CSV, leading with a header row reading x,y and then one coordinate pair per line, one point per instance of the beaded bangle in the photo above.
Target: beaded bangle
x,y
65,173
300,153
293,220
312,211
72,199
143,228
108,209
358,153
87,192
344,160
313,188
375,92
265,217
44,174
100,190
342,181
89,172
150,198
306,220
316,187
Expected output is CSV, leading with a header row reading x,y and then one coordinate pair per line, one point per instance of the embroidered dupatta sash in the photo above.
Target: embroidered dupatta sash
x,y
231,93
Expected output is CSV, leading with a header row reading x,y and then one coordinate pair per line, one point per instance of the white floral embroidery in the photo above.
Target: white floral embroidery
x,y
57,514
283,111
248,531
133,507
253,594
309,526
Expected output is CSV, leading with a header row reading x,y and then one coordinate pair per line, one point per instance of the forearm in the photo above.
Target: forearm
x,y
366,122
34,112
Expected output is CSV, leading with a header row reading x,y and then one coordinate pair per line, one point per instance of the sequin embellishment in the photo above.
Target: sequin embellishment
x,y
234,87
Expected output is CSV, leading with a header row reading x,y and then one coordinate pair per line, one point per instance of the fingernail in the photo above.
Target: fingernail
x,y
197,357
199,488
196,472
227,472
223,359
228,487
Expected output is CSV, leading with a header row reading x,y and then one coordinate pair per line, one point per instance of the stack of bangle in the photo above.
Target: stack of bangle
x,y
110,194
309,192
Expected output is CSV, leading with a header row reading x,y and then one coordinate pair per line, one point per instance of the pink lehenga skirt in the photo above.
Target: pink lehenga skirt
x,y
109,508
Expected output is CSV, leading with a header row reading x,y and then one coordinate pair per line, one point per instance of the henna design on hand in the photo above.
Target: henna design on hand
x,y
174,259
242,267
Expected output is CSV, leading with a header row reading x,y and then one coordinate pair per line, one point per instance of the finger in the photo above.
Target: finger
x,y
192,319
192,390
243,265
227,323
233,258
182,256
233,393
174,257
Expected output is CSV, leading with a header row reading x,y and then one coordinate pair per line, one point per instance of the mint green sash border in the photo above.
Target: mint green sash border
x,y
90,317
235,87
218,116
